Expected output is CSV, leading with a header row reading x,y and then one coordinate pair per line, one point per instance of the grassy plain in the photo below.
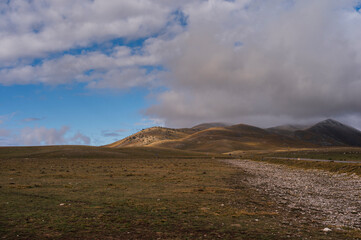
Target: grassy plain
x,y
331,154
334,153
77,192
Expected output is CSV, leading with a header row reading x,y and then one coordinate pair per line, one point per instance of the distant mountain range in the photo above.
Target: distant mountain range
x,y
220,137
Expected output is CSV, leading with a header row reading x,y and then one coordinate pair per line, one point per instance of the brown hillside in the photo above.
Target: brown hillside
x,y
218,138
151,135
213,139
226,139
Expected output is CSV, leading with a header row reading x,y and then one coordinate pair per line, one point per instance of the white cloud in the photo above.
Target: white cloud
x,y
35,28
41,136
79,138
32,119
7,117
4,137
120,69
150,122
235,61
4,133
121,78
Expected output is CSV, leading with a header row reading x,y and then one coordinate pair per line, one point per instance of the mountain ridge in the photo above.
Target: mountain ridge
x,y
220,137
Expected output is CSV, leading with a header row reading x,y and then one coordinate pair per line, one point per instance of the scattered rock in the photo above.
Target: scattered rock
x,y
325,197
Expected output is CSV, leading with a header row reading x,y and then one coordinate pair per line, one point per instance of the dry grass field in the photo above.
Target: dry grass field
x,y
334,155
95,193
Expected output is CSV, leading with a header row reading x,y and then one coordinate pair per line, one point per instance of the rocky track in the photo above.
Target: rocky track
x,y
328,198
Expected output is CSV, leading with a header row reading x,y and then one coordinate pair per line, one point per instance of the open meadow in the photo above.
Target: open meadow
x,y
333,159
140,193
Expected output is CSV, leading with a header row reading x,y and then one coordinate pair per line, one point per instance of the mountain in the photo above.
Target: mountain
x,y
221,138
226,139
208,137
204,126
325,133
330,133
287,129
151,135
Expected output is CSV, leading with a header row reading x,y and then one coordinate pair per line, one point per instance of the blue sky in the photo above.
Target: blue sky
x,y
92,72
103,116
99,115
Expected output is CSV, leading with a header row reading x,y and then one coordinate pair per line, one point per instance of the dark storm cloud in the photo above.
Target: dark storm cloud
x,y
265,62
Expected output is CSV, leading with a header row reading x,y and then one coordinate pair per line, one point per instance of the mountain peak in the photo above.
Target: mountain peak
x,y
331,122
333,132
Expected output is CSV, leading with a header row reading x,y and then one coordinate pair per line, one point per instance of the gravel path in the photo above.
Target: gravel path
x,y
332,199
313,160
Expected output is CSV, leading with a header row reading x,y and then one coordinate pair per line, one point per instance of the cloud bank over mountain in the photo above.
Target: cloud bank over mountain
x,y
255,61
245,61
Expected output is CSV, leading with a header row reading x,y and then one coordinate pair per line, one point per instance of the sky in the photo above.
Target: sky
x,y
92,72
